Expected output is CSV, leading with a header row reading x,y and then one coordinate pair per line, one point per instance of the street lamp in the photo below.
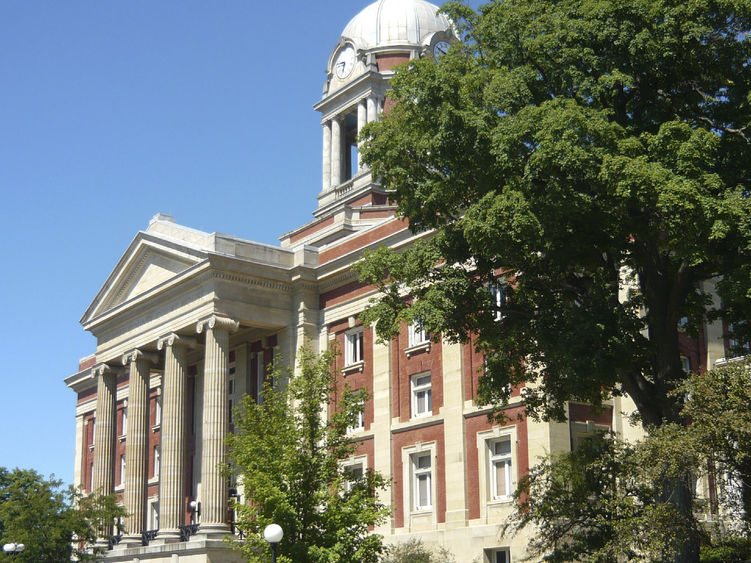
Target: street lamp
x,y
273,534
14,548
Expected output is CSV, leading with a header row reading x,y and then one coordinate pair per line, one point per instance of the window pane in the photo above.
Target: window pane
x,y
502,447
423,462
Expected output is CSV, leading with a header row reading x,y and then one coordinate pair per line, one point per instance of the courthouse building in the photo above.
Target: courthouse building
x,y
187,321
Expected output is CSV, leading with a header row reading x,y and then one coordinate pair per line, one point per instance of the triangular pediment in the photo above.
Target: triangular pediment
x,y
149,262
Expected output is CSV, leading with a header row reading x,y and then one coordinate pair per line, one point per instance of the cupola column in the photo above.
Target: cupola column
x,y
104,441
372,108
336,150
326,155
173,440
214,492
137,445
362,119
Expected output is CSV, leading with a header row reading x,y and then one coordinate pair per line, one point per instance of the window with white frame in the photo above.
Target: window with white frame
x,y
157,461
422,396
498,297
154,515
589,430
417,334
158,412
125,421
498,555
500,468
359,424
353,473
685,364
422,481
122,469
231,393
353,347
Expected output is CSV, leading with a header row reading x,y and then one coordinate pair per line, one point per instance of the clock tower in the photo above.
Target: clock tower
x,y
383,35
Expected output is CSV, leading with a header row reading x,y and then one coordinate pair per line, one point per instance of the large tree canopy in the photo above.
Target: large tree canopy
x,y
598,154
594,154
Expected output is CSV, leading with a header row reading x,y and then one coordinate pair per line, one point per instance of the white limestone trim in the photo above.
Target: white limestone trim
x,y
488,506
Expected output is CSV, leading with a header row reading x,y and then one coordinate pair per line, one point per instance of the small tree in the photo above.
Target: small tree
x,y
53,522
414,551
288,455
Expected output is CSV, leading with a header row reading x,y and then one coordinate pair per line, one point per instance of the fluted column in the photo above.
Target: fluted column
x,y
172,444
137,445
214,502
362,119
336,151
104,435
326,155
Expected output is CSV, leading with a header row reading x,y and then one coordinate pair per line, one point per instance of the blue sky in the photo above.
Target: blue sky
x,y
111,112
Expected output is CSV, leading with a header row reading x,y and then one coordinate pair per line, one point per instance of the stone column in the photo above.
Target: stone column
x,y
104,432
137,445
326,155
372,108
362,119
173,446
214,493
336,151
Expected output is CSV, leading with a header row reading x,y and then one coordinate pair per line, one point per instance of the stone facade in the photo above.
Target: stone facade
x,y
187,321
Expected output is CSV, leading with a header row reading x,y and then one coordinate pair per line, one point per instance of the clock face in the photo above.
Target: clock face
x,y
440,49
345,61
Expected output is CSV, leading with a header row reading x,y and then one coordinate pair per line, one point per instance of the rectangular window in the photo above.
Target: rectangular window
x,y
422,400
422,487
125,421
353,472
157,461
122,469
501,477
158,412
353,347
498,297
497,555
359,424
417,334
154,515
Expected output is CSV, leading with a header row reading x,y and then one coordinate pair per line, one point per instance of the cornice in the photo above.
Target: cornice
x,y
251,281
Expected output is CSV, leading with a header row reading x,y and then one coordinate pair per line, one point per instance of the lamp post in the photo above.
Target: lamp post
x,y
14,548
273,534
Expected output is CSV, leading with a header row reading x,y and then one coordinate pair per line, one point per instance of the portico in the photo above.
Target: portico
x,y
202,323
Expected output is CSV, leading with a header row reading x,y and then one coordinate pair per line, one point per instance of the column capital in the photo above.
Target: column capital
x,y
103,369
214,321
174,339
135,355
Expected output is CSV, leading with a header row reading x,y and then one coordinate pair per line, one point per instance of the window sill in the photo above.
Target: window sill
x,y
417,348
353,368
500,501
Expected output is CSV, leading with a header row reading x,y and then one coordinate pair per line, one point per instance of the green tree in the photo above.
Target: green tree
x,y
596,153
288,455
719,408
602,501
53,522
414,551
